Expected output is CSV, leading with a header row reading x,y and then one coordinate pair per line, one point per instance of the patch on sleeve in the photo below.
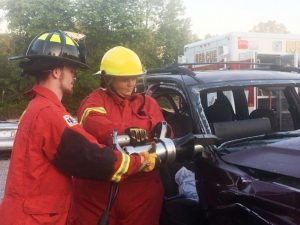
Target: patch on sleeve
x,y
70,120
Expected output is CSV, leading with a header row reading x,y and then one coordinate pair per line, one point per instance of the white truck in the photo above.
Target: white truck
x,y
279,49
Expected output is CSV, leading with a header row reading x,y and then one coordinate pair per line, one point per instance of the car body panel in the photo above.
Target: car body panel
x,y
276,158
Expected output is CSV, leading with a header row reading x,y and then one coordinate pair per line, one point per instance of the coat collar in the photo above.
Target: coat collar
x,y
121,100
44,92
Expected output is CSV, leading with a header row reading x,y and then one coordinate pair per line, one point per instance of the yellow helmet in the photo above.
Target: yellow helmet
x,y
120,61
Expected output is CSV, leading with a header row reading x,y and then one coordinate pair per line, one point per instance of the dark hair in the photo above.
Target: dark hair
x,y
42,76
105,81
40,68
36,67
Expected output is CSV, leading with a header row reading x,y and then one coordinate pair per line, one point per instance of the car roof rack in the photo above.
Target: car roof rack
x,y
222,63
263,66
281,68
180,69
173,69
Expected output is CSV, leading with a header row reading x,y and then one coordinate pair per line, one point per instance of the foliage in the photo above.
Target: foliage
x,y
85,83
156,30
29,17
173,32
270,26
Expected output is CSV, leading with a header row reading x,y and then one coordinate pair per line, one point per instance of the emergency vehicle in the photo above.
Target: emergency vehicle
x,y
279,49
240,48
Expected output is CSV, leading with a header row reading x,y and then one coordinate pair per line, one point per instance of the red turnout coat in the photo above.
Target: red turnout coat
x,y
140,196
50,147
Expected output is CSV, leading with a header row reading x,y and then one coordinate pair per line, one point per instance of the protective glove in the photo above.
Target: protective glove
x,y
150,161
138,136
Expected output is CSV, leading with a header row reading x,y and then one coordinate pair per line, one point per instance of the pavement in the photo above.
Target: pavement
x,y
4,163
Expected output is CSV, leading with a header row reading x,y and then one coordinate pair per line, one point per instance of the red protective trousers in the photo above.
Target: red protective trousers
x,y
140,196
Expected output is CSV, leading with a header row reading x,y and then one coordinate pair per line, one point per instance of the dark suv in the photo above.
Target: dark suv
x,y
250,173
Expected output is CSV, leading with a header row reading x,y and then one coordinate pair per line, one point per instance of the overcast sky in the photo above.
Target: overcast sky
x,y
223,16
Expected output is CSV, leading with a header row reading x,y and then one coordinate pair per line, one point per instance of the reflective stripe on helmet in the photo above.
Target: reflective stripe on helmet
x,y
43,36
122,169
87,111
69,41
55,38
53,48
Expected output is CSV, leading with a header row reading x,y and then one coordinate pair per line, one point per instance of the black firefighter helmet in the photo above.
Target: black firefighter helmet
x,y
49,50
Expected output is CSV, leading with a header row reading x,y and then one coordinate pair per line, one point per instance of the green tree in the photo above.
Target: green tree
x,y
25,20
173,32
29,16
129,23
157,30
270,26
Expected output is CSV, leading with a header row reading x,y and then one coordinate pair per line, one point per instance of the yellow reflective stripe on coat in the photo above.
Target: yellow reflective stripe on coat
x,y
87,111
122,169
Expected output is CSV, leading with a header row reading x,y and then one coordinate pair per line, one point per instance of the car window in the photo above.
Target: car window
x,y
175,110
168,102
275,101
250,111
213,96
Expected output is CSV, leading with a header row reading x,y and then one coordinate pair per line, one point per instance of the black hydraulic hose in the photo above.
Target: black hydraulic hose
x,y
183,140
184,147
113,192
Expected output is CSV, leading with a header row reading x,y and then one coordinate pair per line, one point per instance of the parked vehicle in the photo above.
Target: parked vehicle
x,y
279,49
7,134
251,174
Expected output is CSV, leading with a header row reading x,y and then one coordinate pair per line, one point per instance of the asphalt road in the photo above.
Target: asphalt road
x,y
3,173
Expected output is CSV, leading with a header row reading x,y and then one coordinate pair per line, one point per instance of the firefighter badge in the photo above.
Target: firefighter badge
x,y
70,120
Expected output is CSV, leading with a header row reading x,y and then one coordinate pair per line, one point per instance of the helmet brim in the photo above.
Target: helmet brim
x,y
63,59
97,73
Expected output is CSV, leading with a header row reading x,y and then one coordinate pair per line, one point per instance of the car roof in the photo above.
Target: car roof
x,y
219,78
244,75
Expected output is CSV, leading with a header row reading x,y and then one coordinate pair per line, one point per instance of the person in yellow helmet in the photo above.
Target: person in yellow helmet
x,y
116,106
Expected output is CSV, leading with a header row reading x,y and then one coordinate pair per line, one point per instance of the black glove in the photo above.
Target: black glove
x,y
138,136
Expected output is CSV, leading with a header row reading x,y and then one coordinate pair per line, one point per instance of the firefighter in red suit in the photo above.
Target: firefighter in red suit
x,y
50,146
116,106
